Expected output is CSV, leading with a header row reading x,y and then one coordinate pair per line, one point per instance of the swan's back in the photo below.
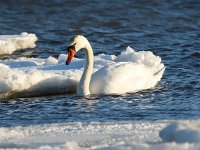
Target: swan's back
x,y
142,71
123,77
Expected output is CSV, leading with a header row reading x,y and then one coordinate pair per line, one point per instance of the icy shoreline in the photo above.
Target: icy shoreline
x,y
110,135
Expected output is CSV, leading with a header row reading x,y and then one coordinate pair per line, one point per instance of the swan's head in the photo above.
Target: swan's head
x,y
76,43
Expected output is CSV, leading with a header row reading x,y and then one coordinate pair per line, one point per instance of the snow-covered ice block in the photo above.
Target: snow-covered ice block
x,y
11,43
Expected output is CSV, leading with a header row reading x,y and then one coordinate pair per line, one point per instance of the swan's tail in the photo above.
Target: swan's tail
x,y
159,71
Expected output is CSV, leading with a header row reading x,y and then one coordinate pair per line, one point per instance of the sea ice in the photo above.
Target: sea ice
x,y
11,43
35,76
99,136
182,132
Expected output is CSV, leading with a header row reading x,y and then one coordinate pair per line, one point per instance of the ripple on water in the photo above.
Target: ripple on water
x,y
196,54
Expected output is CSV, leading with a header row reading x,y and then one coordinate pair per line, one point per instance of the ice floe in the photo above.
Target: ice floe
x,y
100,136
11,43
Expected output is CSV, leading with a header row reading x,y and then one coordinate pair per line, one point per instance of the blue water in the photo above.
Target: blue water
x,y
171,29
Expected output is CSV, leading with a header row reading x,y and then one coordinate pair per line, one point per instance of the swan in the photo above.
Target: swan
x,y
117,78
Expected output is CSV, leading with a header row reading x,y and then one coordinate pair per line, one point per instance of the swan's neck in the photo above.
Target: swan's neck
x,y
83,88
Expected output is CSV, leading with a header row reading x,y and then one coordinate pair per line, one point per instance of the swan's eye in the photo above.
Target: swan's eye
x,y
72,47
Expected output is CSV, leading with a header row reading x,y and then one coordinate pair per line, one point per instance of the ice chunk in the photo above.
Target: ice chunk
x,y
11,43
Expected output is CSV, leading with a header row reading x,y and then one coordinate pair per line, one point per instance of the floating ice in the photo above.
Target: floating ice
x,y
35,77
181,132
11,43
79,135
90,136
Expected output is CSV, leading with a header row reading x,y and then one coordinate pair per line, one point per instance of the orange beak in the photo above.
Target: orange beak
x,y
71,53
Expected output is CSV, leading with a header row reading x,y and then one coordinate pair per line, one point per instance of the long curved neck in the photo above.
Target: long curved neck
x,y
83,88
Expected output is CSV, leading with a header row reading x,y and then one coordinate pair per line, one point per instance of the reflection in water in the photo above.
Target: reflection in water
x,y
88,104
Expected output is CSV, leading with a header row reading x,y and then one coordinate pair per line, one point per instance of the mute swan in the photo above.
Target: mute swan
x,y
118,78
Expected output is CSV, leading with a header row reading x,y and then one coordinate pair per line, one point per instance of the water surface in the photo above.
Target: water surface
x,y
170,29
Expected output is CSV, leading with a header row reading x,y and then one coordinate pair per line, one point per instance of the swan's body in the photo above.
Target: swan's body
x,y
119,77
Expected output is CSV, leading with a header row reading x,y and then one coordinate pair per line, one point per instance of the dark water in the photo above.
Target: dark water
x,y
171,29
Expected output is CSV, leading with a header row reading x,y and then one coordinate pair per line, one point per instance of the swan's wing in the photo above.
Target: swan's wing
x,y
123,77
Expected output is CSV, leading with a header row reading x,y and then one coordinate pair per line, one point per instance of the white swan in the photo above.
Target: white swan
x,y
119,77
